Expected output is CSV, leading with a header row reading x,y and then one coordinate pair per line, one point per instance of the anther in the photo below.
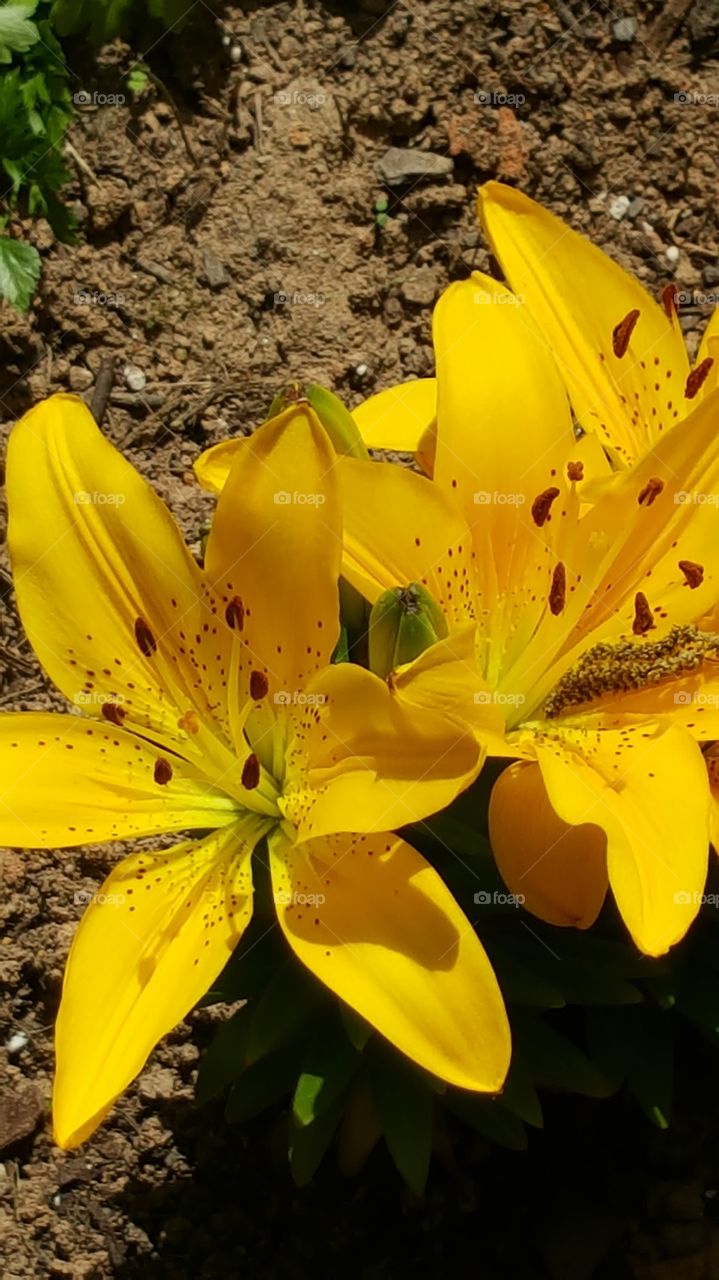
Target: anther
x,y
693,573
235,614
112,712
542,505
251,772
651,490
643,620
670,300
145,639
622,333
259,685
163,771
697,378
558,589
575,470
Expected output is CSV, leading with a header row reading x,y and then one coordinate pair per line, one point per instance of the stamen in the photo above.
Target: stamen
x,y
542,505
697,378
112,712
693,573
235,614
630,664
670,300
189,722
251,772
643,618
651,490
622,333
575,470
259,684
163,771
145,639
558,589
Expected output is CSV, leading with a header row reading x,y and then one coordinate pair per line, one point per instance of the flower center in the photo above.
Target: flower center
x,y
630,665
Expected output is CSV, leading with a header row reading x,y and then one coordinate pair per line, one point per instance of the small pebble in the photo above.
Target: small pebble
x,y
235,54
619,207
134,378
672,254
16,1042
624,30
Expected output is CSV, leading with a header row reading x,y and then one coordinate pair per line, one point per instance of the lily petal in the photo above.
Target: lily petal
x,y
275,546
420,538
578,296
398,417
149,946
109,596
383,932
214,465
558,872
628,782
68,781
360,759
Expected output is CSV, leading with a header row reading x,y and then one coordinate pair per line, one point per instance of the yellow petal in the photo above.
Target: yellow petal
x,y
275,544
376,924
558,872
66,781
150,944
398,529
111,599
647,789
578,296
398,417
362,760
214,465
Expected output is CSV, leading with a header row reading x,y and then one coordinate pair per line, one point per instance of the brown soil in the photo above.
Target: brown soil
x,y
220,278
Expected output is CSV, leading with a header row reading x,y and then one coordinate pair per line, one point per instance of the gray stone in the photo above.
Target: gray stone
x,y
407,164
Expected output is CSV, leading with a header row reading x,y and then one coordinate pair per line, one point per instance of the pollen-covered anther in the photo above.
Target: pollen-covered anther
x,y
251,772
697,378
693,573
670,300
542,505
575,471
651,490
622,333
235,614
259,684
114,713
643,618
558,589
189,722
145,639
163,771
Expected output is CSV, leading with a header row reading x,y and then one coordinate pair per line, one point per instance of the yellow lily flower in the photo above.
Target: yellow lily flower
x,y
578,626
211,705
621,353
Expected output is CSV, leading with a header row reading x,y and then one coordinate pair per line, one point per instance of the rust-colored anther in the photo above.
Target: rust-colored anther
x,y
575,471
189,722
670,300
693,573
163,771
112,712
145,639
251,772
622,333
651,490
259,684
697,378
235,614
542,505
558,589
643,620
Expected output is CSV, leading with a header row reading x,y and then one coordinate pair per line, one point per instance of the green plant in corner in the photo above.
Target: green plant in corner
x,y
35,113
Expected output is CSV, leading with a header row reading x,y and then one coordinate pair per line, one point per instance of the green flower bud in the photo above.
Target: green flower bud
x,y
404,621
335,418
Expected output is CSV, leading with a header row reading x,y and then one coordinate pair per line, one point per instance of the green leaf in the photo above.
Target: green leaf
x,y
19,272
17,33
554,1061
404,1106
490,1119
328,1066
519,1094
651,1074
260,1085
309,1142
225,1058
287,1004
